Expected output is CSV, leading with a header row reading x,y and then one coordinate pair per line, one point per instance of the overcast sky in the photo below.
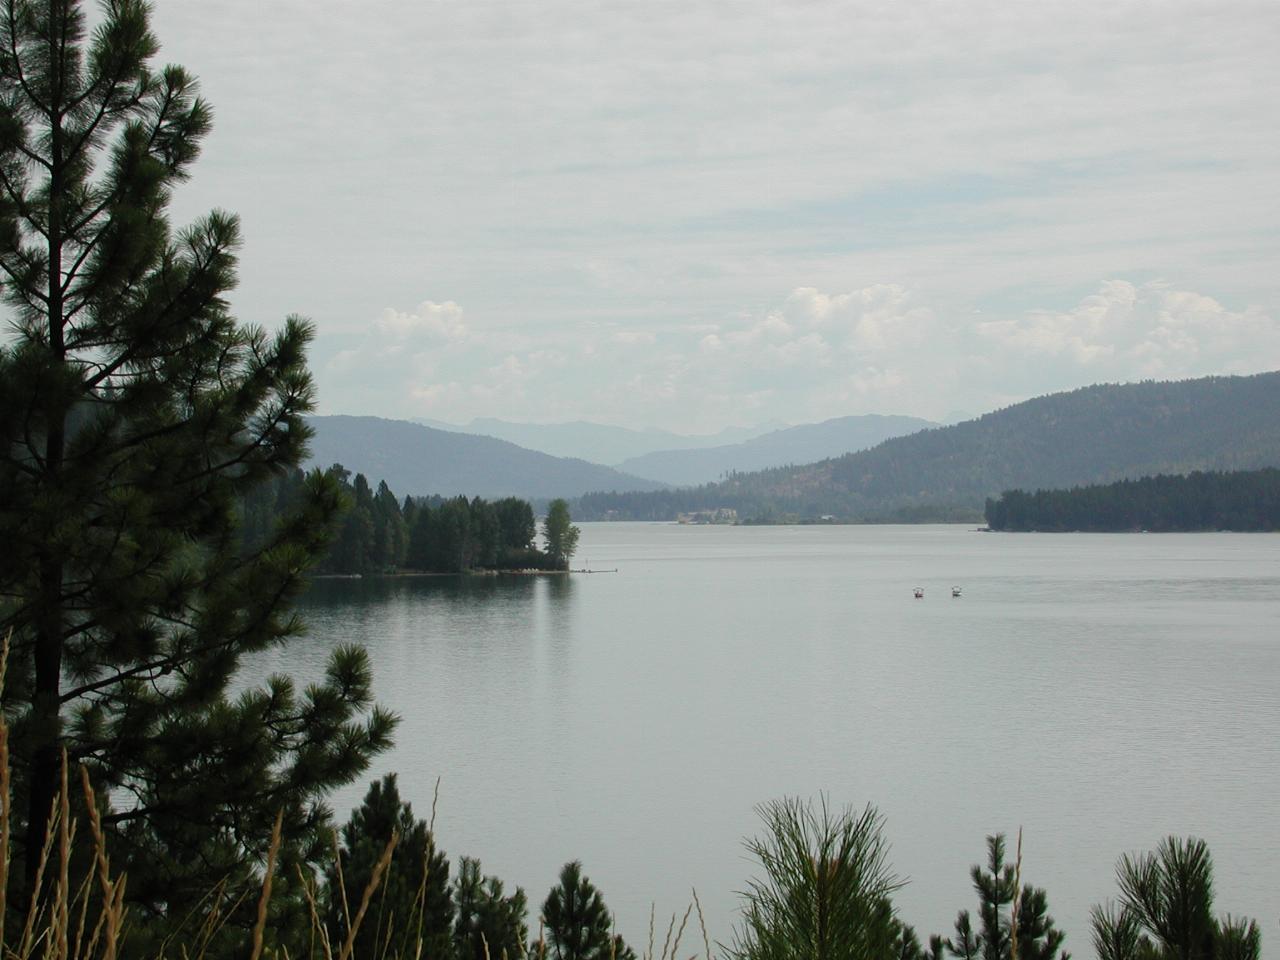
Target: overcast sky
x,y
690,214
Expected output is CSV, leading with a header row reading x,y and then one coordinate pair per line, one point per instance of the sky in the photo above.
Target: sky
x,y
691,215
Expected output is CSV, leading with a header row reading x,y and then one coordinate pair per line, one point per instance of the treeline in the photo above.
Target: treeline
x,y
1244,500
379,533
749,494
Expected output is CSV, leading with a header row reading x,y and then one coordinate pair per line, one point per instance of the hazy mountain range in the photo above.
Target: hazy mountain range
x,y
800,444
595,442
419,460
415,458
1092,435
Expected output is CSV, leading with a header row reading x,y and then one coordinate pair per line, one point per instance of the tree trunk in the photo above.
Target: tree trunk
x,y
45,704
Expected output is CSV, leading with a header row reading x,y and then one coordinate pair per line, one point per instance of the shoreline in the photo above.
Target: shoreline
x,y
418,574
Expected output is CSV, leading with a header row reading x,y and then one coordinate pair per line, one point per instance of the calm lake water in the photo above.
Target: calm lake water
x,y
1100,691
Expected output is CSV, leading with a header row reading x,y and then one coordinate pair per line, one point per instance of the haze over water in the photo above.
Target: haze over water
x,y
1101,691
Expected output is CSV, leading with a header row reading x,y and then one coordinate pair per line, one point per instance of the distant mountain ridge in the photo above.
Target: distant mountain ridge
x,y
594,442
418,460
800,444
1092,435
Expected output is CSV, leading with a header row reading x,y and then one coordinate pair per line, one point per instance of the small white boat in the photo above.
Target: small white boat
x,y
955,591
918,593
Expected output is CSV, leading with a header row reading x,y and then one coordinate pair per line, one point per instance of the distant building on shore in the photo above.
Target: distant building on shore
x,y
726,515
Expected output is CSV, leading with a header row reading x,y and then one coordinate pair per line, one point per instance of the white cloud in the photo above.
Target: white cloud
x,y
635,338
1148,330
435,320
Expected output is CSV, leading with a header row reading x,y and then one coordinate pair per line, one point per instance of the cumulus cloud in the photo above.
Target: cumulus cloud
x,y
441,321
1148,330
875,319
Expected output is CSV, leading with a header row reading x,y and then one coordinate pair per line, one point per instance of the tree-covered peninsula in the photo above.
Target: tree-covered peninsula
x,y
1244,500
381,534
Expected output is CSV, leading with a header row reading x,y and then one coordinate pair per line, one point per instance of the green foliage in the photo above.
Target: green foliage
x,y
826,887
561,535
577,924
378,535
1166,910
489,924
997,886
414,903
456,535
517,523
136,416
906,945
1241,500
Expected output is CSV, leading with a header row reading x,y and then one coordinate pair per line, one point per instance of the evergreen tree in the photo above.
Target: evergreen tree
x,y
452,545
516,520
421,533
1166,910
392,536
997,887
906,945
561,535
414,903
489,925
135,416
577,925
486,533
826,889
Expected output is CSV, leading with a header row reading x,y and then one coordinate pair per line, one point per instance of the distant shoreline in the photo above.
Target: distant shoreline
x,y
420,574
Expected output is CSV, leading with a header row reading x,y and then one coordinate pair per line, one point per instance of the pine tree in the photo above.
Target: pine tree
x,y
515,517
826,889
414,900
489,925
1166,910
577,924
135,414
391,534
997,888
561,535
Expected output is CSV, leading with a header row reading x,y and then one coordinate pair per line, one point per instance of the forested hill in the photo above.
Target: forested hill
x,y
421,461
1093,435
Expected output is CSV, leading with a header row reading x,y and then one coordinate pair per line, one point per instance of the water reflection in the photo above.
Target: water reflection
x,y
462,619
330,592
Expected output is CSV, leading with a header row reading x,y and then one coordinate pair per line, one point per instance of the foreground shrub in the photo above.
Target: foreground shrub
x,y
577,925
825,890
1166,910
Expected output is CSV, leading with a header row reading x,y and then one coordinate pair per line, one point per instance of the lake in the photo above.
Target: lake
x,y
1100,691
